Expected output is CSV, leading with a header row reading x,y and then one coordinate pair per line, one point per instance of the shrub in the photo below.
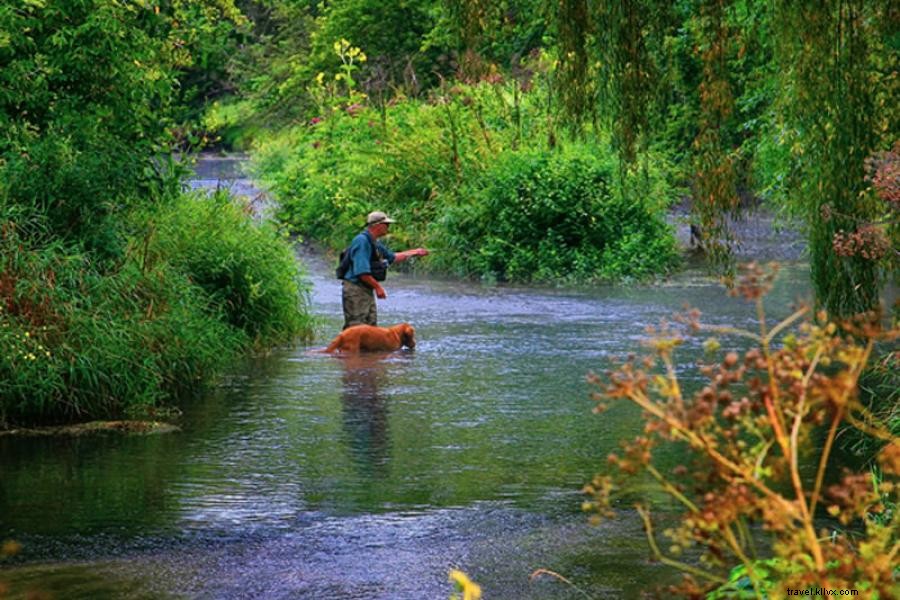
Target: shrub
x,y
545,216
330,174
760,434
452,172
198,286
79,344
247,269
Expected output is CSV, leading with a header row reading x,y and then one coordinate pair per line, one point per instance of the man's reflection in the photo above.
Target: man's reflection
x,y
366,411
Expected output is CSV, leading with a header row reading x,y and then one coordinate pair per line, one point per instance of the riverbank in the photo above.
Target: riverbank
x,y
183,288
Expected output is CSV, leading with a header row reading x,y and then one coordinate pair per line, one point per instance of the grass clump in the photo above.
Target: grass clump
x,y
246,269
81,341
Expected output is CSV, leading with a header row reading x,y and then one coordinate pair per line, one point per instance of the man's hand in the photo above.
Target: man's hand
x,y
406,254
379,291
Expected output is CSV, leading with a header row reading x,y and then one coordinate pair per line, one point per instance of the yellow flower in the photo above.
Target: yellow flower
x,y
320,77
470,589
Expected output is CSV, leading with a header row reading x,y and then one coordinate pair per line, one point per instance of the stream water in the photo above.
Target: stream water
x,y
302,475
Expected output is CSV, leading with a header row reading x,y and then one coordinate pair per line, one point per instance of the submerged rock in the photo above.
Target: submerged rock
x,y
122,427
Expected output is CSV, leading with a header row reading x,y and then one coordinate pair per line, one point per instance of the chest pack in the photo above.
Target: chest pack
x,y
377,264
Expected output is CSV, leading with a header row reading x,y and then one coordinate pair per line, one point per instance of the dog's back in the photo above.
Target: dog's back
x,y
363,338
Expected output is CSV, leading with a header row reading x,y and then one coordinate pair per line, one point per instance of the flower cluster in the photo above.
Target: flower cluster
x,y
868,242
884,175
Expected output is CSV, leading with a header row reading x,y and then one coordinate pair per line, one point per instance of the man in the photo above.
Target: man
x,y
366,264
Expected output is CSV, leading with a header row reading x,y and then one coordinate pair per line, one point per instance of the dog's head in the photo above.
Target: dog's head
x,y
407,335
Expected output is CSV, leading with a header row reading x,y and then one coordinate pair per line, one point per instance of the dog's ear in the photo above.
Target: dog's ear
x,y
409,336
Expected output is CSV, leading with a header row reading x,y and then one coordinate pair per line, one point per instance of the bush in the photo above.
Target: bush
x,y
246,269
200,285
79,344
330,174
546,216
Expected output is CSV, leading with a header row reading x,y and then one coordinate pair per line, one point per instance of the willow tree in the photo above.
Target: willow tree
x,y
613,59
609,53
713,182
839,98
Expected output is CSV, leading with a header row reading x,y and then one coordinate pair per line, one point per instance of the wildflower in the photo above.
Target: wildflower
x,y
469,589
10,548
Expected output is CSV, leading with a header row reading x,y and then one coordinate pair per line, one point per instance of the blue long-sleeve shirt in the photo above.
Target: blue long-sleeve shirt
x,y
360,251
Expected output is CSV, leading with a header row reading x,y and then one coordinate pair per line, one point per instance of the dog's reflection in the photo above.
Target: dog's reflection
x,y
365,411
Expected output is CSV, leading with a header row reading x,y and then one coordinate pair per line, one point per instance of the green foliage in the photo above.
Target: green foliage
x,y
545,216
390,33
839,96
87,92
451,170
199,286
78,344
90,96
486,33
248,270
329,174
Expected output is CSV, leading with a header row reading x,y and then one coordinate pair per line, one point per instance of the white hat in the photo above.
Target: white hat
x,y
377,216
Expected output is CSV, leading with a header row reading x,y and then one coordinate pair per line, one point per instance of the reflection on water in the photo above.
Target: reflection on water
x,y
365,412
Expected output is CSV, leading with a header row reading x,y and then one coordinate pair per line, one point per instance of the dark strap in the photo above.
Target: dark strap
x,y
376,253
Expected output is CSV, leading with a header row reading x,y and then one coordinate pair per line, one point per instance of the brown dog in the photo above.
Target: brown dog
x,y
368,338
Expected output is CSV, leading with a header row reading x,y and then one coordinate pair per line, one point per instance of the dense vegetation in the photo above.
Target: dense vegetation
x,y
521,141
750,459
471,174
117,290
732,102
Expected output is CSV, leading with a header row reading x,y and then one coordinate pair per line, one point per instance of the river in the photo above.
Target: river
x,y
302,475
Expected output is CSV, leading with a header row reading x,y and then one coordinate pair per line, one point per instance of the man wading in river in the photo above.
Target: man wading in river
x,y
363,265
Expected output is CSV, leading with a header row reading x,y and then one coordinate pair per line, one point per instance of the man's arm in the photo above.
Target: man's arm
x,y
367,279
401,256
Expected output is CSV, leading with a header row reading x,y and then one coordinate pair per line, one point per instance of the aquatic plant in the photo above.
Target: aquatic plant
x,y
761,489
